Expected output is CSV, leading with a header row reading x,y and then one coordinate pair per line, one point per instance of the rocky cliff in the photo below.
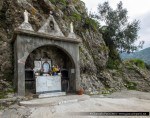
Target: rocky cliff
x,y
95,77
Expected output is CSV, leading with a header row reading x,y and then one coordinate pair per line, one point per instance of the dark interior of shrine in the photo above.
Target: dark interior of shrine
x,y
57,57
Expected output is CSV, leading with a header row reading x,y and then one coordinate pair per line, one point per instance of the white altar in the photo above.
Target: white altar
x,y
46,84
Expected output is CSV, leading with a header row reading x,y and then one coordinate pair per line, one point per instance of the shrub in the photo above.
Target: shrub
x,y
75,16
91,23
131,85
113,64
139,63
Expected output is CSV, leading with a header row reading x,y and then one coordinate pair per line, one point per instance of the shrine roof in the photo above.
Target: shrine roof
x,y
43,35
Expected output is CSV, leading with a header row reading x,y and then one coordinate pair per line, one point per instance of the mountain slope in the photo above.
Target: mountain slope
x,y
95,78
93,51
143,55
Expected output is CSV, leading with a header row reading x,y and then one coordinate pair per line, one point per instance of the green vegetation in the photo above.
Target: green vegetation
x,y
63,2
103,48
75,16
113,64
91,23
139,63
2,94
75,1
131,85
118,33
142,55
107,91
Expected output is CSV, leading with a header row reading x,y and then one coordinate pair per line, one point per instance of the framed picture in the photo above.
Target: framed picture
x,y
37,65
46,65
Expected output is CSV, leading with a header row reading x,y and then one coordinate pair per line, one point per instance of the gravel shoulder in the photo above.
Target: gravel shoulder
x,y
130,94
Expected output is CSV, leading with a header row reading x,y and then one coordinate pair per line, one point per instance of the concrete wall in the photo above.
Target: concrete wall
x,y
25,44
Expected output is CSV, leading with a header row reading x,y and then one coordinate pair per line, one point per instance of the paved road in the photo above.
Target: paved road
x,y
129,101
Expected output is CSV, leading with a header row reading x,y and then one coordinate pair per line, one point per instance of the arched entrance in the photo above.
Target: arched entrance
x,y
56,56
25,42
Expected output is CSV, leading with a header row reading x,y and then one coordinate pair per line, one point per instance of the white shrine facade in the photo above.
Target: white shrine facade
x,y
26,41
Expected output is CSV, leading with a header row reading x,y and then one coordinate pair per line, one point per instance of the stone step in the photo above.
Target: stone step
x,y
52,101
46,95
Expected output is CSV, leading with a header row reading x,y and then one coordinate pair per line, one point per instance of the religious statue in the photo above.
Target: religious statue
x,y
26,16
71,27
51,12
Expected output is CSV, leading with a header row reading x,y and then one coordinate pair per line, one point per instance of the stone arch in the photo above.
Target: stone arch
x,y
57,46
58,56
24,44
29,45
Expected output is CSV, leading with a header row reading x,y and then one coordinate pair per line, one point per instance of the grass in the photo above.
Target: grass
x,y
139,63
131,85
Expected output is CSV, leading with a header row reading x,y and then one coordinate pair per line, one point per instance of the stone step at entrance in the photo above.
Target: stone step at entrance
x,y
52,101
54,94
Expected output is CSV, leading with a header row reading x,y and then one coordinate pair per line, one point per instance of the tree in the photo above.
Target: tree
x,y
119,34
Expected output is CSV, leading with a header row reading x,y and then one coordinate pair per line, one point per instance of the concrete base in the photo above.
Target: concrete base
x,y
46,95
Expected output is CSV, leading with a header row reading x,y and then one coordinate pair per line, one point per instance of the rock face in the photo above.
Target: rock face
x,y
93,51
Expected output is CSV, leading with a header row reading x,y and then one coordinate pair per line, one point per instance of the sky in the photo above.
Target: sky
x,y
137,9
